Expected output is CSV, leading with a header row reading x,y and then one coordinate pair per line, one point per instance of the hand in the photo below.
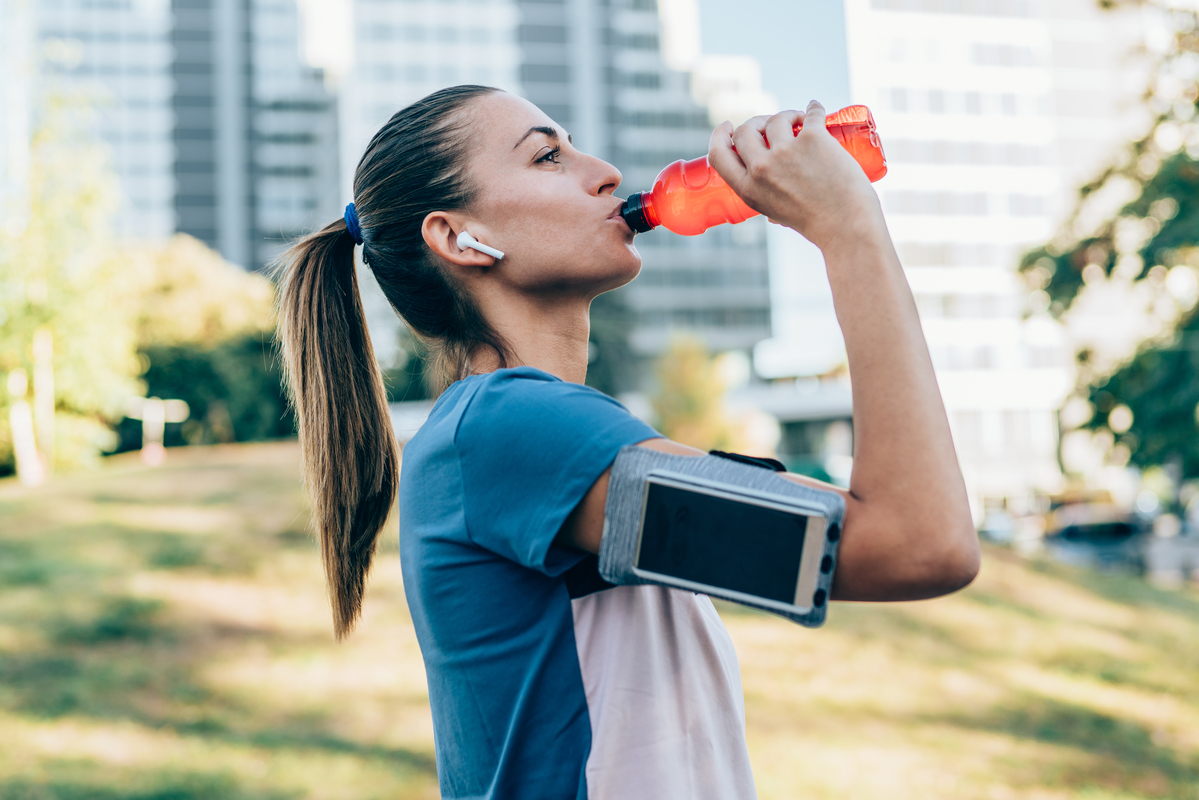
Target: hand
x,y
806,182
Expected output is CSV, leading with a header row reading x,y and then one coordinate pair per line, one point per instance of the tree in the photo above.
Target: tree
x,y
689,401
1150,239
61,279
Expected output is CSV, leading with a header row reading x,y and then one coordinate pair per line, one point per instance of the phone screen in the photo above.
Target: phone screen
x,y
721,542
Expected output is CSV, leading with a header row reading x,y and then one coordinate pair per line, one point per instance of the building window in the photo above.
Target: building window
x,y
542,34
544,73
639,80
1026,205
977,8
952,254
936,203
638,41
1003,55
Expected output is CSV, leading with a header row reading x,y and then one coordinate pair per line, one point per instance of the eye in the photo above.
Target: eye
x,y
551,157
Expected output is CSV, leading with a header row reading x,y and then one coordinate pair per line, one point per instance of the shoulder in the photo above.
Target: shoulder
x,y
522,395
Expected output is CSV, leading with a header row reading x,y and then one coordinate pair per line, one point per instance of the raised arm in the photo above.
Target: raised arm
x,y
907,532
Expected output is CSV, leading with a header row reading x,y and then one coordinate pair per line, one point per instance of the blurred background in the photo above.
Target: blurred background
x,y
163,632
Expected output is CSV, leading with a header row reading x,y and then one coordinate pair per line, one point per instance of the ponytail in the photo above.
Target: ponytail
x,y
417,163
349,454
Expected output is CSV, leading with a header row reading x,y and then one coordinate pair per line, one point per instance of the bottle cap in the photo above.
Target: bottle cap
x,y
633,212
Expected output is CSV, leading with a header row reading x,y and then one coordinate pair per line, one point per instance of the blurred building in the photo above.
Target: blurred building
x,y
405,50
214,124
117,58
597,68
992,114
255,136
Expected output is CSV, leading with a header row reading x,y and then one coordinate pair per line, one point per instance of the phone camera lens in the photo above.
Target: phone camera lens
x,y
818,598
834,533
826,565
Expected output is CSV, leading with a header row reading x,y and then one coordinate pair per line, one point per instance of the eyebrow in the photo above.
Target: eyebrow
x,y
544,129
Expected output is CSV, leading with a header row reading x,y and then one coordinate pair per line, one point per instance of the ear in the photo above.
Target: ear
x,y
440,231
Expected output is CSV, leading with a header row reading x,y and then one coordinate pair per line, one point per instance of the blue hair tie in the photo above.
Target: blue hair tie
x,y
352,224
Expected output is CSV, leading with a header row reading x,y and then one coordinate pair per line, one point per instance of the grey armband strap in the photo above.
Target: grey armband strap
x,y
627,488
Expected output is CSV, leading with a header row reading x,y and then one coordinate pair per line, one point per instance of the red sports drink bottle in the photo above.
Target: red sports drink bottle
x,y
689,197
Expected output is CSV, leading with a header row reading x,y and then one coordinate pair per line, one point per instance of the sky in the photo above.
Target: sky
x,y
800,44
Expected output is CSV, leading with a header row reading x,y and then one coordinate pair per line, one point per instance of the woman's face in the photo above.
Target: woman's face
x,y
547,206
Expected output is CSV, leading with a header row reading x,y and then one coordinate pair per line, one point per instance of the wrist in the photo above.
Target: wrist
x,y
853,235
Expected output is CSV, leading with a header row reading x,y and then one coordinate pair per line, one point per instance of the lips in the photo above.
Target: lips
x,y
617,215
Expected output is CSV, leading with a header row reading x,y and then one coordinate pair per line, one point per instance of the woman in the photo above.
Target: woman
x,y
545,681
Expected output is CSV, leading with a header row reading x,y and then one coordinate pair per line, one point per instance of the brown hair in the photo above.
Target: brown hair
x,y
414,165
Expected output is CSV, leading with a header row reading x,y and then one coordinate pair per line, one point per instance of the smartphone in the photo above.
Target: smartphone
x,y
716,538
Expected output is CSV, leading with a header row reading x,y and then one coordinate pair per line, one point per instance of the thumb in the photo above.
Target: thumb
x,y
813,118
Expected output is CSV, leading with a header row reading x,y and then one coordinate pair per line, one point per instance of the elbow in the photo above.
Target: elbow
x,y
953,562
959,566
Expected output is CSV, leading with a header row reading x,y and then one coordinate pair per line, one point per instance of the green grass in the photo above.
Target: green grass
x,y
164,635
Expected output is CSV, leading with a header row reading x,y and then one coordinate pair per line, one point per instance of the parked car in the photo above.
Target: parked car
x,y
1100,537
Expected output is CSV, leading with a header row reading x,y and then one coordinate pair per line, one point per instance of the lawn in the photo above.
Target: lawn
x,y
164,635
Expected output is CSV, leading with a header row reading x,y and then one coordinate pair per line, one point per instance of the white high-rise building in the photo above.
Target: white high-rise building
x,y
992,112
117,58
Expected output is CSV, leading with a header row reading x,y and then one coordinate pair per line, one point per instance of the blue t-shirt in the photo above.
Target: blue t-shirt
x,y
486,485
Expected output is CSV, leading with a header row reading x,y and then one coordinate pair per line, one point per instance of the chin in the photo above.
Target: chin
x,y
626,270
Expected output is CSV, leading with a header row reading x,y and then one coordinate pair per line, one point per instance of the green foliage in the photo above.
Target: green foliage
x,y
1160,385
184,293
204,336
117,618
162,786
233,389
1159,170
1163,219
200,321
1157,230
688,402
59,271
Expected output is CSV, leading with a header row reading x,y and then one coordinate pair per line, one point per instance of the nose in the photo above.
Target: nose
x,y
606,177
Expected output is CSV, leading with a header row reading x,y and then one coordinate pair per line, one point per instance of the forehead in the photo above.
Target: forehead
x,y
501,119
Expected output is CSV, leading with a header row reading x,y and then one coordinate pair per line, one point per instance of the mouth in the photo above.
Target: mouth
x,y
616,214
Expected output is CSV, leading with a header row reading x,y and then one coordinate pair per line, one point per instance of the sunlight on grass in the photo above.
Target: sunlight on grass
x,y
164,635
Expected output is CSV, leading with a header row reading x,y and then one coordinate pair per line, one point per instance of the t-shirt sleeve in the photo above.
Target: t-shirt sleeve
x,y
529,448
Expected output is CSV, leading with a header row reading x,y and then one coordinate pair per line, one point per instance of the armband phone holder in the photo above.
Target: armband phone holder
x,y
722,526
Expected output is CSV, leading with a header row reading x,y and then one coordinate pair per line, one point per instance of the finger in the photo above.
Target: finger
x,y
723,157
721,139
749,137
813,118
782,125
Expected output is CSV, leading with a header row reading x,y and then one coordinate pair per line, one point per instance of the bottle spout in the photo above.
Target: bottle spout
x,y
633,212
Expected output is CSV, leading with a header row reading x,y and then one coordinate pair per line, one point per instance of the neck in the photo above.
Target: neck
x,y
549,334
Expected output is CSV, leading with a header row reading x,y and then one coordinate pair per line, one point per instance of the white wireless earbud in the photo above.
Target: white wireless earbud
x,y
465,240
